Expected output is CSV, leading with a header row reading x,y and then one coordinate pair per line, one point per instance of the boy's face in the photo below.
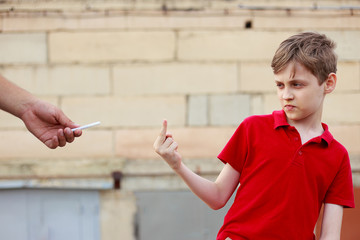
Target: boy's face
x,y
299,92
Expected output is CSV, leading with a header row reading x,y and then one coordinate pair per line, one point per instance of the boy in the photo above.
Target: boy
x,y
287,163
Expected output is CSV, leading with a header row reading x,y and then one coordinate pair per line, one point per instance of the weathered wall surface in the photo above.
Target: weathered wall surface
x,y
203,65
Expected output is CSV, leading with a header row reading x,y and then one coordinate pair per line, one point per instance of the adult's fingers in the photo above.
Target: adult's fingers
x,y
63,119
52,143
77,133
69,135
61,138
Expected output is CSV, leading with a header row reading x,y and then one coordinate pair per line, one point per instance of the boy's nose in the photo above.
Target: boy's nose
x,y
287,94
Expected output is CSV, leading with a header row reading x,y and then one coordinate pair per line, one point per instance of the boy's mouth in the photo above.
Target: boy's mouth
x,y
289,107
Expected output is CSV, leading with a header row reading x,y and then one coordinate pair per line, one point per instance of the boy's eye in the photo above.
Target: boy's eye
x,y
297,85
279,85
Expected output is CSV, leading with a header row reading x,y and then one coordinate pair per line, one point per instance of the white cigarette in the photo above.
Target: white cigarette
x,y
86,126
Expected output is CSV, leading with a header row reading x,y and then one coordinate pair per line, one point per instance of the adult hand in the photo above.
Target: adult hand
x,y
49,124
167,148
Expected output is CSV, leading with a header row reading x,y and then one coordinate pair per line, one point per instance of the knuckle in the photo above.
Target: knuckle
x,y
160,151
157,150
165,153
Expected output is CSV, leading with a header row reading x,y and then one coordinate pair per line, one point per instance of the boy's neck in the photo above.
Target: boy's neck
x,y
308,128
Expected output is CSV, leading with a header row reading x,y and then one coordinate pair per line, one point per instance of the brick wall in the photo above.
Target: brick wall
x,y
203,65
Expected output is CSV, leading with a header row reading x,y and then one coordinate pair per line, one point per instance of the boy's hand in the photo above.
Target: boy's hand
x,y
166,147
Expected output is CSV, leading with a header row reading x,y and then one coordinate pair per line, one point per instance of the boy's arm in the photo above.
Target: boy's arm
x,y
331,223
215,194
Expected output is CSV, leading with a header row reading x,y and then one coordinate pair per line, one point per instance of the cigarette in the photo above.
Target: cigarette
x,y
86,126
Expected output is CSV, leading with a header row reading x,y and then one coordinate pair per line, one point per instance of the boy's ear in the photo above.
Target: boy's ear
x,y
330,83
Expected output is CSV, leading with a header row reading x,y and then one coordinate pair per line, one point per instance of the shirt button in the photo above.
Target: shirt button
x,y
296,139
300,153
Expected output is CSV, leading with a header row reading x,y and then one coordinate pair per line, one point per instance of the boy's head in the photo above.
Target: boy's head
x,y
313,50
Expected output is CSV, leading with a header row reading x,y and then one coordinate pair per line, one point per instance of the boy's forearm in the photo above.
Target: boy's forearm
x,y
205,189
14,99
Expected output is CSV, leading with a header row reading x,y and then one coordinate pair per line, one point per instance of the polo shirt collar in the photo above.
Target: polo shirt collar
x,y
280,121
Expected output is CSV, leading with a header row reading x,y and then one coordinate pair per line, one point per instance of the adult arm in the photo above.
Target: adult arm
x,y
45,121
214,194
331,223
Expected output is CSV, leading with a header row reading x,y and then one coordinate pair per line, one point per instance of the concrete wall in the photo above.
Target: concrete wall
x,y
203,65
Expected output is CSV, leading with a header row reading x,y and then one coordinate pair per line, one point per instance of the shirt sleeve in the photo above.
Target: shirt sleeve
x,y
341,190
235,151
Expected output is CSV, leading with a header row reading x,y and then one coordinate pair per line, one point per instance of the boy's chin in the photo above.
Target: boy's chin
x,y
293,116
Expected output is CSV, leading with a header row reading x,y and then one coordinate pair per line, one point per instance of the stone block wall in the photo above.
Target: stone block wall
x,y
202,65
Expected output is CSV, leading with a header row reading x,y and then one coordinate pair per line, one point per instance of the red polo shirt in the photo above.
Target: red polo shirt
x,y
282,182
